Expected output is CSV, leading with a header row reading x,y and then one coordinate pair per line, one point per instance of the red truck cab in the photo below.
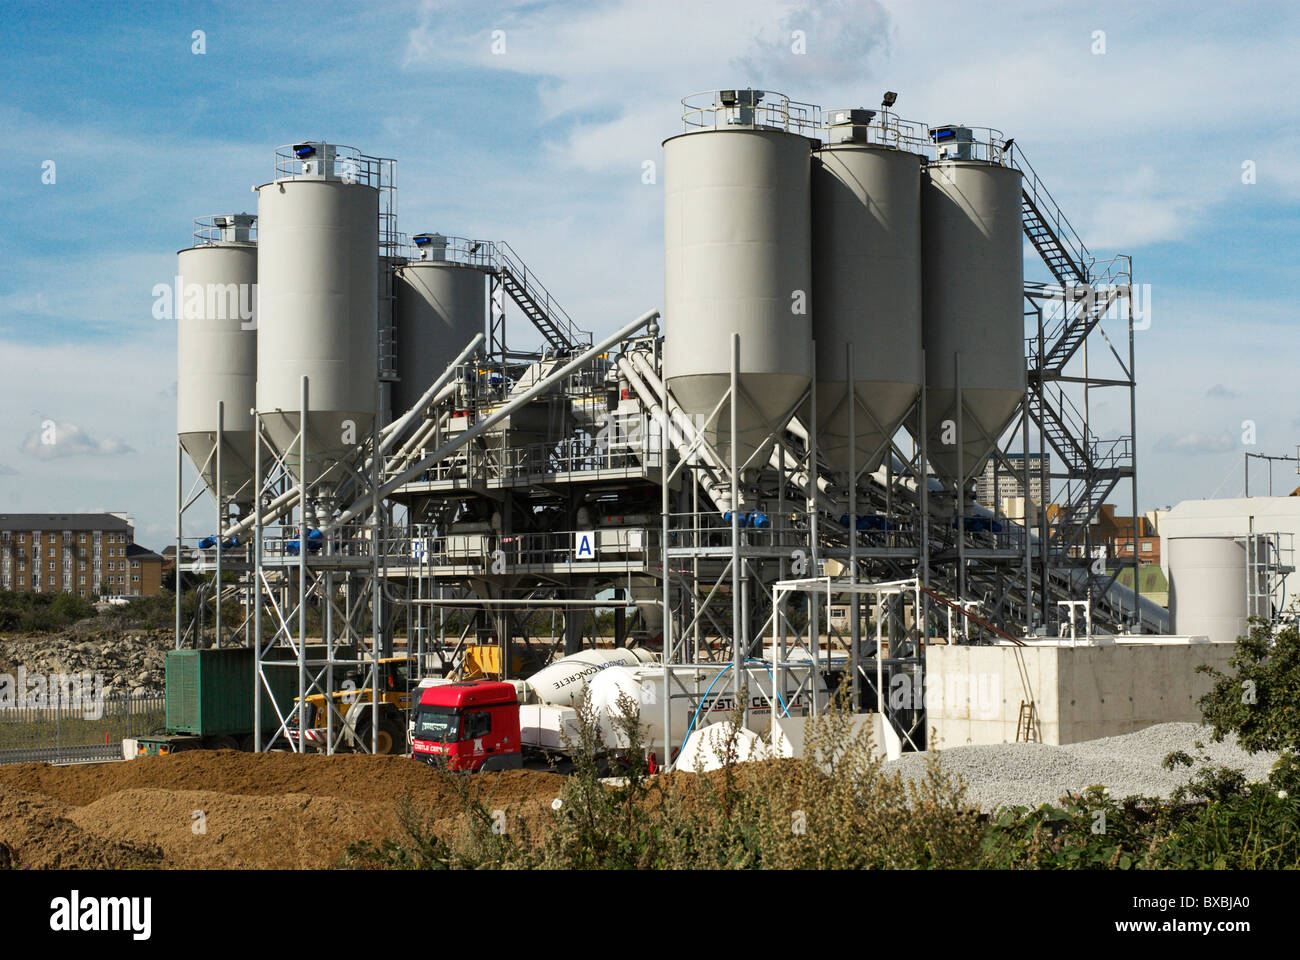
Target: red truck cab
x,y
473,726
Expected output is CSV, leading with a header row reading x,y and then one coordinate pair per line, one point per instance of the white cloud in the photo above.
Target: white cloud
x,y
53,439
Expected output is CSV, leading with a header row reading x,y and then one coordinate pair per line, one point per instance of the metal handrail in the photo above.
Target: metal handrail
x,y
208,232
353,166
887,130
774,111
532,286
1050,211
497,256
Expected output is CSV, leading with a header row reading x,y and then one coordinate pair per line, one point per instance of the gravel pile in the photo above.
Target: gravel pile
x,y
1027,774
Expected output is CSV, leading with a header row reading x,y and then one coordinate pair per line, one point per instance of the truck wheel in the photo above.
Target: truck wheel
x,y
221,743
392,738
246,743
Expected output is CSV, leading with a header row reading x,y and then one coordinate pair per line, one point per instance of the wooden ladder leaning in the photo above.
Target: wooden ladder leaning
x,y
1025,723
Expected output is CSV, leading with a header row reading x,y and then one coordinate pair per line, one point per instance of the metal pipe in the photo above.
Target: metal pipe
x,y
542,386
221,439
737,656
394,429
256,589
302,574
855,608
721,498
180,497
701,450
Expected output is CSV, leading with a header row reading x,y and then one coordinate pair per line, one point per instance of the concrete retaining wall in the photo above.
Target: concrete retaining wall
x,y
973,694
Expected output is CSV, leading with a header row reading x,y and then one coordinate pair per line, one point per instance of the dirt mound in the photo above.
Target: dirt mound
x,y
293,832
355,777
260,811
37,832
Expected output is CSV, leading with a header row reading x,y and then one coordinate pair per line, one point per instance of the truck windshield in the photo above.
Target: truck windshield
x,y
438,724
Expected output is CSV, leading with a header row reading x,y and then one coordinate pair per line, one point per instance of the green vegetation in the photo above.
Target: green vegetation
x,y
40,612
1259,701
836,808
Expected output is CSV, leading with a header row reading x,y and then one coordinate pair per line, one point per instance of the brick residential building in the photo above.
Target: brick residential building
x,y
86,554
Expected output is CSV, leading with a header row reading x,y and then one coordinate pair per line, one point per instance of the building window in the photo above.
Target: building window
x,y
51,564
81,581
1146,547
82,538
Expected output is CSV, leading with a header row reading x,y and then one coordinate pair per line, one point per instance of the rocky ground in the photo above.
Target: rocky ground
x,y
131,662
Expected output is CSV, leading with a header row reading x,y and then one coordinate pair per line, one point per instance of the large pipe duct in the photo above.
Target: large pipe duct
x,y
542,386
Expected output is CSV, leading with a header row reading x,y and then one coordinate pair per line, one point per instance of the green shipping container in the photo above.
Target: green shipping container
x,y
210,692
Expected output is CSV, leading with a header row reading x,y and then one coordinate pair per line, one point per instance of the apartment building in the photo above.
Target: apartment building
x,y
994,486
86,554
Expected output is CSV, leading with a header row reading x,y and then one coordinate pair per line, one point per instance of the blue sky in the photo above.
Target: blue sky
x,y
543,145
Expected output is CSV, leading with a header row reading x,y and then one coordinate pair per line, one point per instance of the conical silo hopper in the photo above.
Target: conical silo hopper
x,y
216,352
866,273
737,260
972,303
318,250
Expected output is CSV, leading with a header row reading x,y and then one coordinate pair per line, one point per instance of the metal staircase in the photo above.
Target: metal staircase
x,y
1068,315
536,302
510,274
1051,234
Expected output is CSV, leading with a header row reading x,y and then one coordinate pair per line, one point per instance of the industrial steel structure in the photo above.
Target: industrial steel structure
x,y
777,480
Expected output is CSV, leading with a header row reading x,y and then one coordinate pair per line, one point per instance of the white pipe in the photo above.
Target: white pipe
x,y
542,386
702,450
397,426
271,512
717,492
408,449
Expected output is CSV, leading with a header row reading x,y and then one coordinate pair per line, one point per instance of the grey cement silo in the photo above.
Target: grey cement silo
x,y
866,275
973,305
438,308
216,352
1207,587
318,249
737,260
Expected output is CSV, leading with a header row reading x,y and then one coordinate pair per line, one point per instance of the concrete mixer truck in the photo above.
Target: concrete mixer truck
x,y
495,725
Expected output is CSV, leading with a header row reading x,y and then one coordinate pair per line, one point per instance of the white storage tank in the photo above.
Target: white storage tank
x,y
972,297
216,351
866,275
318,251
737,260
1207,587
439,306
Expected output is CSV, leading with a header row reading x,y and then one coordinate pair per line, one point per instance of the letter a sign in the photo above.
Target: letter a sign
x,y
584,545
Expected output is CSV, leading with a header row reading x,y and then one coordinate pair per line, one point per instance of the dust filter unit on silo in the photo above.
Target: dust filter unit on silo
x,y
318,247
737,260
866,275
439,306
972,299
216,352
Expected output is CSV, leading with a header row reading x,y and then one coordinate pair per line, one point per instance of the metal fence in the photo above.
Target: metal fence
x,y
77,731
